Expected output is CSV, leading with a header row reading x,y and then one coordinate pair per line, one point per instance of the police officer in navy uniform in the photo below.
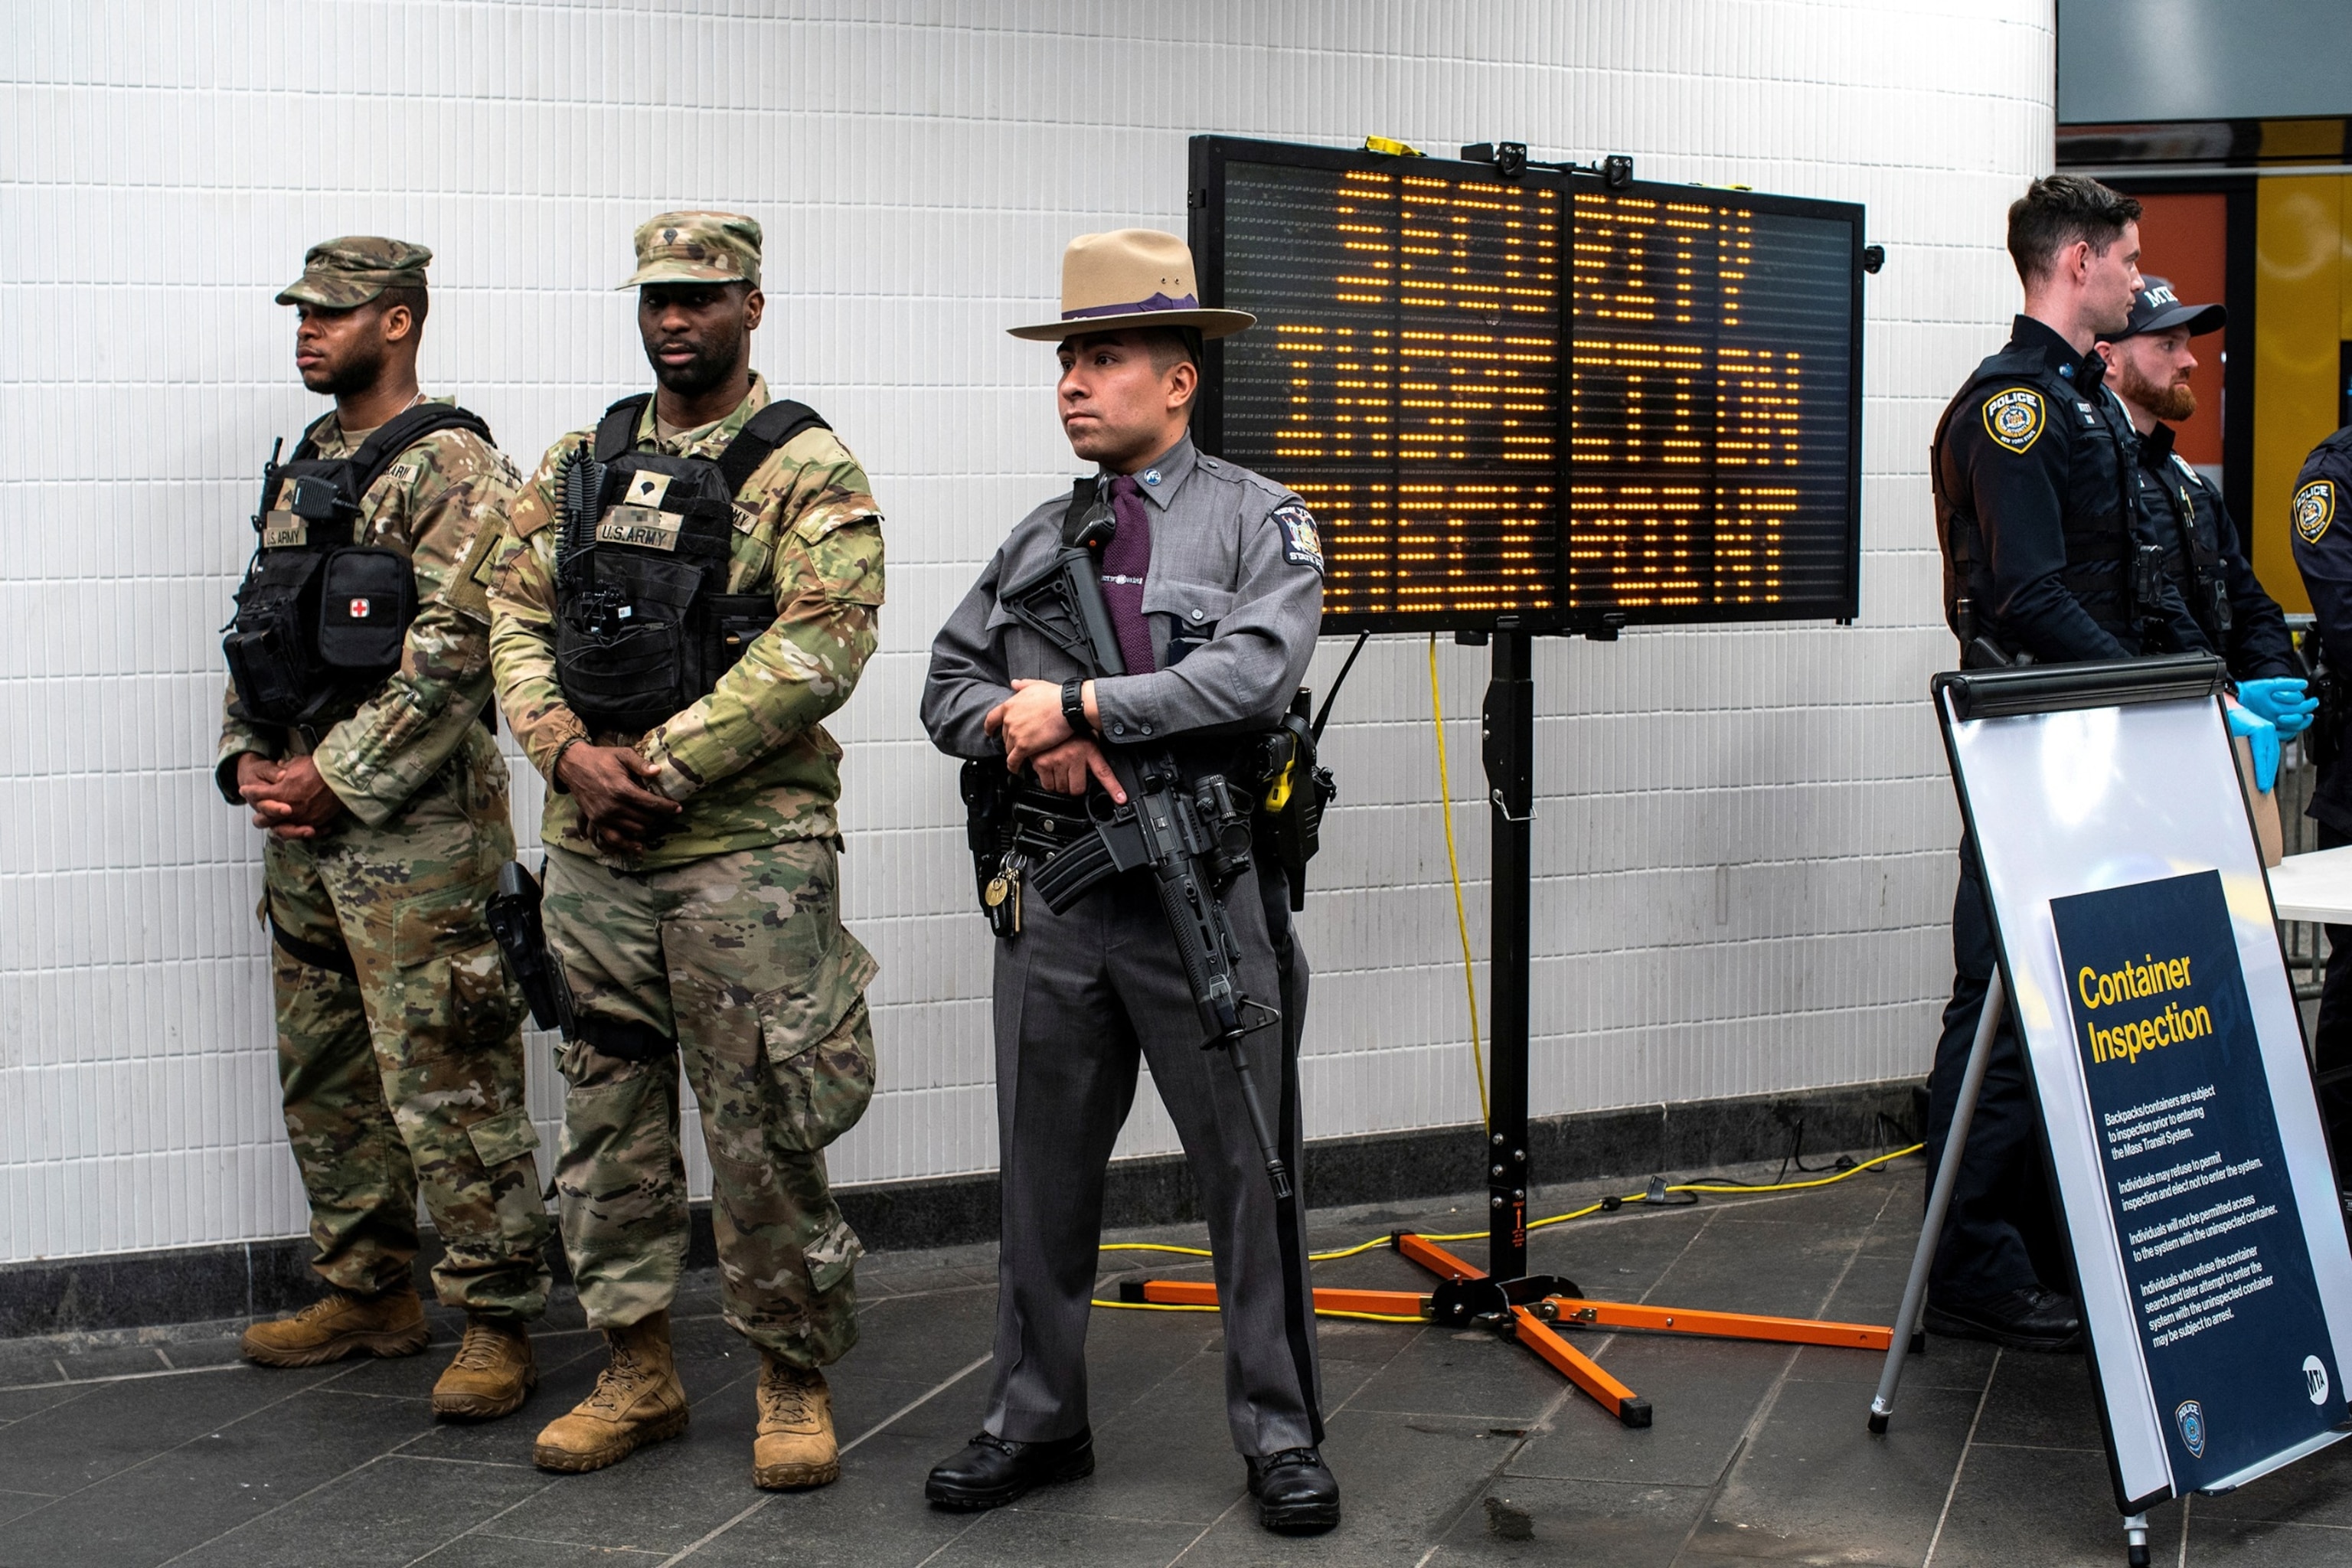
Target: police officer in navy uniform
x,y
2322,553
2045,560
2148,364
1213,587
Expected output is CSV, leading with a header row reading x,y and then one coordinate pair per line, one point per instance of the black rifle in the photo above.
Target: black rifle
x,y
1193,839
513,914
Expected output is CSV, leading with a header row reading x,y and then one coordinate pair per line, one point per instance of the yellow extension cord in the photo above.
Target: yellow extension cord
x,y
1486,1115
1591,1208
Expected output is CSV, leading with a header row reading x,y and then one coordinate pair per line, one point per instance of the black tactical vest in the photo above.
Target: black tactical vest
x,y
2101,562
643,627
320,618
2180,512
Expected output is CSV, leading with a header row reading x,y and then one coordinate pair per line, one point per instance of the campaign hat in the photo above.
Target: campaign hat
x,y
1130,277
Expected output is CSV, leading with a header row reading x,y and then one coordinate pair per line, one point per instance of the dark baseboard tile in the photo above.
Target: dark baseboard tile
x,y
260,1278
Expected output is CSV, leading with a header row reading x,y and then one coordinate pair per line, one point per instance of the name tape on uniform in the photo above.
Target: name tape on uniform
x,y
644,527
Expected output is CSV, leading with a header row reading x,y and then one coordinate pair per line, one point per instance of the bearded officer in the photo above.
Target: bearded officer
x,y
363,750
2149,365
685,592
1213,583
2043,560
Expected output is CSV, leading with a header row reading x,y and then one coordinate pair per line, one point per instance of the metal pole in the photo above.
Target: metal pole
x,y
1509,750
1939,1201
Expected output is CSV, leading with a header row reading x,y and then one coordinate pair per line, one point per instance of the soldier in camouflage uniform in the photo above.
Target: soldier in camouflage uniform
x,y
398,1047
691,883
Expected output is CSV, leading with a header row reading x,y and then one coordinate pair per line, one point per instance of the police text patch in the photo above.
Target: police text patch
x,y
1301,547
2014,418
2314,509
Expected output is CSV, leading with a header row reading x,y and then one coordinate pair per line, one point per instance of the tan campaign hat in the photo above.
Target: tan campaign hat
x,y
342,273
1132,278
697,247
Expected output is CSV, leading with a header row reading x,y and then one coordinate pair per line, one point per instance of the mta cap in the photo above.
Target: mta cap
x,y
2156,309
341,273
1130,277
697,247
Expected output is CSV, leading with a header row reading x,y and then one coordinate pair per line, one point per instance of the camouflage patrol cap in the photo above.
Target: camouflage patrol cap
x,y
342,273
697,247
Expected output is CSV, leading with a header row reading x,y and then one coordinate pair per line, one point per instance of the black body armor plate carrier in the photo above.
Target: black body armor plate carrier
x,y
643,626
320,618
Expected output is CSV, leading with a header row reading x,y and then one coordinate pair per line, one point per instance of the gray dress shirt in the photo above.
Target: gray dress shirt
x,y
1233,597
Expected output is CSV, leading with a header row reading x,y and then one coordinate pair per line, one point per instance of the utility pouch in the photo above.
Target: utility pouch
x,y
367,597
733,621
272,659
620,643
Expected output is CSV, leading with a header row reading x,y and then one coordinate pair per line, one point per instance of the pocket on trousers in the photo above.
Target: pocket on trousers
x,y
483,1005
822,1085
833,1255
506,1136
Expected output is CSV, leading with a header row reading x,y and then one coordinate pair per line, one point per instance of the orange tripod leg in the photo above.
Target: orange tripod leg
x,y
1580,1369
1201,1293
1722,1325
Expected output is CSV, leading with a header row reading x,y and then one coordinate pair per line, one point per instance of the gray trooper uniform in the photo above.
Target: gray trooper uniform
x,y
1233,597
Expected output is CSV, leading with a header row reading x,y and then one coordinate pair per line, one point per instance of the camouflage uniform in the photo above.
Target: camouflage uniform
x,y
405,1074
726,933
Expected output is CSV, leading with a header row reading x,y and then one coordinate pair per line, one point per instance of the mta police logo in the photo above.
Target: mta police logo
x,y
2189,1416
2314,1379
2014,418
2314,509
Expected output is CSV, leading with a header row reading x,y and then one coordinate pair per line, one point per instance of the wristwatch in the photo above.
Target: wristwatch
x,y
1074,706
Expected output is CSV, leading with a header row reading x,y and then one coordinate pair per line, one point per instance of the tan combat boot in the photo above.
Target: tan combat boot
x,y
794,1448
492,1374
341,1324
637,1400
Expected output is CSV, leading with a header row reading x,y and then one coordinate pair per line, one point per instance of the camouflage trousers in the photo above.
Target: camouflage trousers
x,y
399,1058
742,958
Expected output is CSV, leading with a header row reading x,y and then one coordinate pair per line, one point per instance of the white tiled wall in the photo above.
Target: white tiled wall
x,y
1744,836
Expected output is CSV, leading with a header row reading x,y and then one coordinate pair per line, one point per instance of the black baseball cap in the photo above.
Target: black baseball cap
x,y
2156,309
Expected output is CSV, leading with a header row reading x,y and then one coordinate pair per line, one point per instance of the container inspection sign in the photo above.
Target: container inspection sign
x,y
2228,1314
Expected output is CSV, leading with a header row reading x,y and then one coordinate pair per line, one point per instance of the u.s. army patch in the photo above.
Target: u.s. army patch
x,y
1301,547
2314,509
2014,418
643,526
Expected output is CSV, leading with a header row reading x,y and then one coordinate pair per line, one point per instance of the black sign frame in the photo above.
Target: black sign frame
x,y
1205,201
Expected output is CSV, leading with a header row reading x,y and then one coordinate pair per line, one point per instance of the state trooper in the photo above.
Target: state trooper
x,y
2322,554
2046,559
685,590
1213,587
355,731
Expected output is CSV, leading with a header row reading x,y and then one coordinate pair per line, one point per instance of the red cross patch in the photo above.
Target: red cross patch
x,y
359,609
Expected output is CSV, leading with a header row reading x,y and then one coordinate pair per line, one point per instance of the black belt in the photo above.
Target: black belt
x,y
335,960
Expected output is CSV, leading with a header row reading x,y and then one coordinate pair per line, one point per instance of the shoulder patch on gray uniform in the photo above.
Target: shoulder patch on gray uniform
x,y
1301,545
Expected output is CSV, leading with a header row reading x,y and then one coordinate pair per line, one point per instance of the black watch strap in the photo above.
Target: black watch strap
x,y
1073,707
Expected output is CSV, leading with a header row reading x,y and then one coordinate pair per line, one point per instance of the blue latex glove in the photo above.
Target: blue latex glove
x,y
2282,699
2263,736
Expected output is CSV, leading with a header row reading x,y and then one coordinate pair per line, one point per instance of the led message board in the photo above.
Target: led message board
x,y
1538,401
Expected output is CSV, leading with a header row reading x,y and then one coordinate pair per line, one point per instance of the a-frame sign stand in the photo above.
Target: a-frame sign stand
x,y
1529,1307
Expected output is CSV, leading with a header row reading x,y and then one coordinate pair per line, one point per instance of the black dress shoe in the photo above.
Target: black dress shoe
x,y
1295,1491
993,1471
2031,1319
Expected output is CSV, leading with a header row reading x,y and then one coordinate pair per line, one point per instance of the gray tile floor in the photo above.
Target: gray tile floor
x,y
1450,1448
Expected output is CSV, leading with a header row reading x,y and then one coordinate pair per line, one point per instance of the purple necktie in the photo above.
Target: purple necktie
x,y
1124,564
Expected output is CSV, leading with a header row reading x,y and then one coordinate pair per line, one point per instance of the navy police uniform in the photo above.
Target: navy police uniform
x,y
2047,557
2322,553
2206,559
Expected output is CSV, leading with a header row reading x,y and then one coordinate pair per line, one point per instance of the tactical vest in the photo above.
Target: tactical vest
x,y
320,618
643,627
2101,551
2194,560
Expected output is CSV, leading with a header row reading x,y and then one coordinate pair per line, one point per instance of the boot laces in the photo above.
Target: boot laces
x,y
791,1398
1303,1458
479,1349
615,1383
328,1305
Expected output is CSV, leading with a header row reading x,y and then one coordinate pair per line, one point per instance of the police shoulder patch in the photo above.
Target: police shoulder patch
x,y
1301,545
2314,509
2014,418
